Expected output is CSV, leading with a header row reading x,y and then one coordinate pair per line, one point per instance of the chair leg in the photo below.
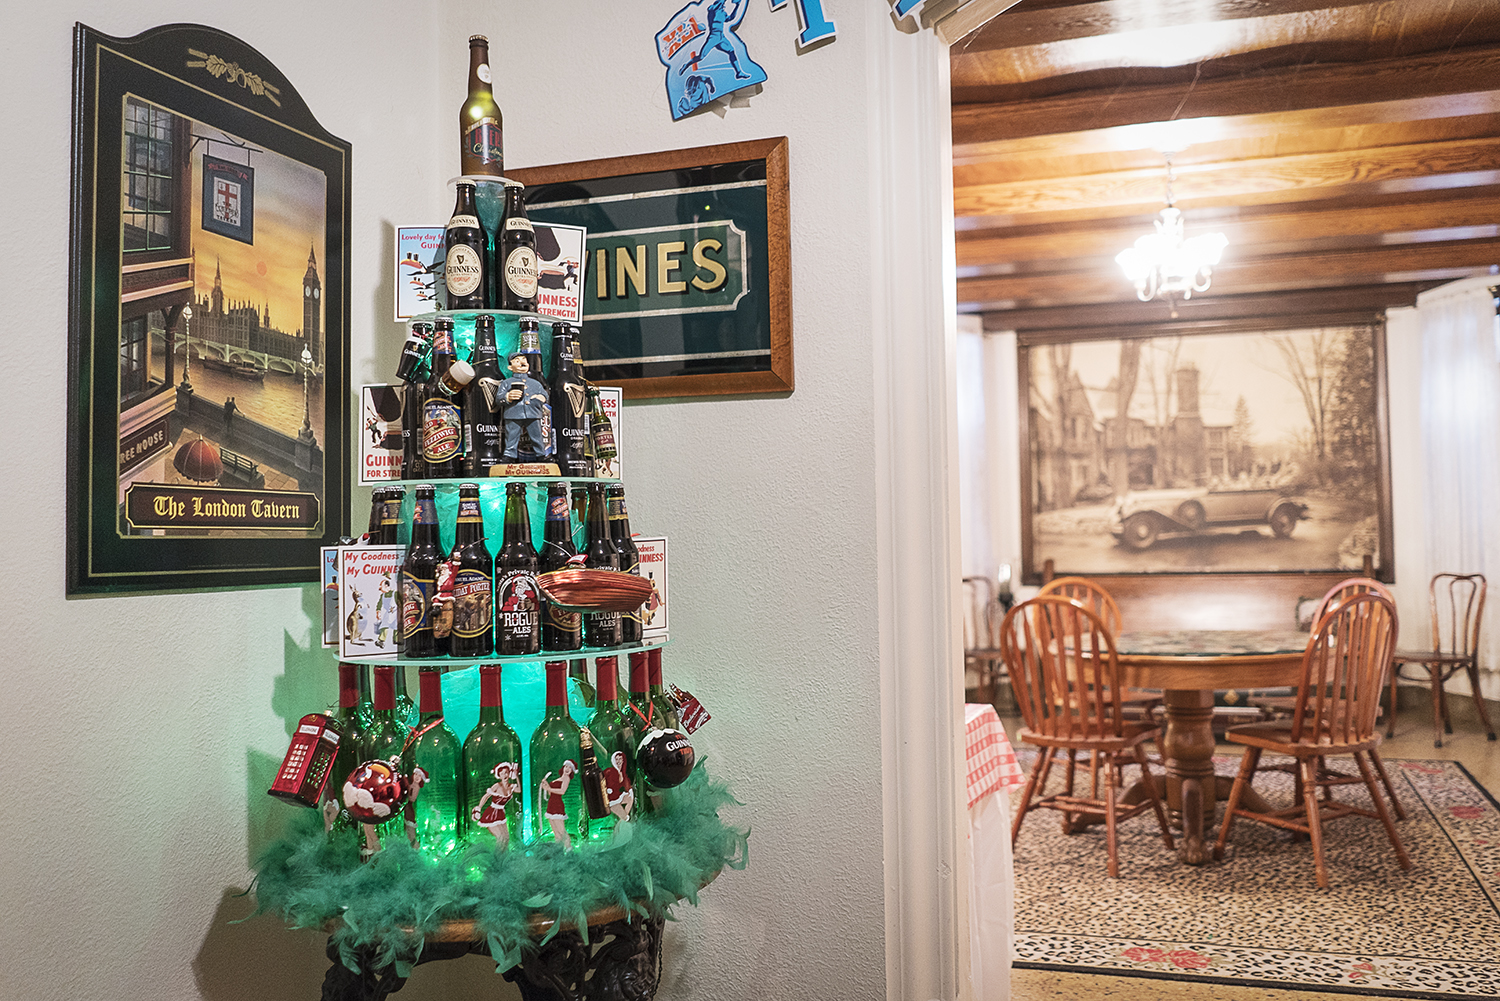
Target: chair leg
x,y
1109,812
1484,714
1149,782
1248,764
1028,794
1386,781
1094,774
1435,676
1443,700
1390,719
1068,777
1314,821
1385,814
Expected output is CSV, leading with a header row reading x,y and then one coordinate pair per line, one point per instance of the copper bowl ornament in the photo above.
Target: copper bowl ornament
x,y
595,590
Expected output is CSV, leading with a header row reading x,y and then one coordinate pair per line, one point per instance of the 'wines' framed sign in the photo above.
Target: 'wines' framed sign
x,y
686,282
208,319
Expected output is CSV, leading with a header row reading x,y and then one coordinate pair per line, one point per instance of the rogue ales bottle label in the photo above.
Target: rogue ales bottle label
x,y
520,611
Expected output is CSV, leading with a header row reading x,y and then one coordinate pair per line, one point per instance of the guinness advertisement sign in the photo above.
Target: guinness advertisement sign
x,y
155,505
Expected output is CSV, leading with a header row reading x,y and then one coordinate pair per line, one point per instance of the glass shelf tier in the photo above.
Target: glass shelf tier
x,y
468,315
587,653
481,480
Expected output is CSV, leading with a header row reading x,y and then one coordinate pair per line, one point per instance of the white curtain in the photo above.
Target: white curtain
x,y
1461,446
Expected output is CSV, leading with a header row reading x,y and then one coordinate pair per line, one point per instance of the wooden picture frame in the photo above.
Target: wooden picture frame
x,y
694,295
208,309
1233,439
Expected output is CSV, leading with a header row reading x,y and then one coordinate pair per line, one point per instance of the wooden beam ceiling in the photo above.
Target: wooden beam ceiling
x,y
1377,170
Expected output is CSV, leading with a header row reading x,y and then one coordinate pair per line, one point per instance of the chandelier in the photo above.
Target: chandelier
x,y
1163,264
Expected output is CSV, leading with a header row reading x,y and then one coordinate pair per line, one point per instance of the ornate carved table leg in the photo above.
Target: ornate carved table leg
x,y
342,984
619,964
1188,750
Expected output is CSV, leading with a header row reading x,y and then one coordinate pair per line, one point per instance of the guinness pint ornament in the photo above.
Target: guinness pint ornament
x,y
665,757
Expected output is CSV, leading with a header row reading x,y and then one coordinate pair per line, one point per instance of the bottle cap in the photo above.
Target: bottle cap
x,y
478,38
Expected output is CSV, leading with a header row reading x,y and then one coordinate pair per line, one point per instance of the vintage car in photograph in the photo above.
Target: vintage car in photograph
x,y
1142,516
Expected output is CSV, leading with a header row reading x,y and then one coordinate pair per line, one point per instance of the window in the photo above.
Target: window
x,y
135,357
147,183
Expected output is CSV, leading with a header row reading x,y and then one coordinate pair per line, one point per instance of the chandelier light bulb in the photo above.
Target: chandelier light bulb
x,y
1165,263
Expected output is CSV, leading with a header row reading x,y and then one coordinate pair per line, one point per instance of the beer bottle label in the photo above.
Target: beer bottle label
x,y
519,613
390,512
468,511
416,604
563,619
483,72
483,140
472,609
519,222
463,270
521,272
442,430
463,221
557,508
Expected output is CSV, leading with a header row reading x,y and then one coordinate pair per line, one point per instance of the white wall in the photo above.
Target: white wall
x,y
144,730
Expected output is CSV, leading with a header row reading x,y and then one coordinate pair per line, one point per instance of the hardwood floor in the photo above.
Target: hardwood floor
x,y
1467,744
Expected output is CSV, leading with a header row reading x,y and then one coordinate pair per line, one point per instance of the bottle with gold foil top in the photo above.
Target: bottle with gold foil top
x,y
418,578
473,582
480,123
466,264
515,255
492,787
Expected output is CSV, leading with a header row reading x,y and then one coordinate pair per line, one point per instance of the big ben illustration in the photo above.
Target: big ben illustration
x,y
312,302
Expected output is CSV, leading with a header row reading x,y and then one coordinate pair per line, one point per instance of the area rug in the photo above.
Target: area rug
x,y
1258,918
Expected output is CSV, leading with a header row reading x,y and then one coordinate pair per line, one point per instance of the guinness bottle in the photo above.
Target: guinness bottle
x,y
466,248
480,123
562,629
409,371
377,508
602,431
570,415
600,628
473,580
515,254
518,620
630,559
419,578
481,424
442,418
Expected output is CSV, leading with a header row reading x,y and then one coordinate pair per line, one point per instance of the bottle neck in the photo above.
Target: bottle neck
x,y
640,673
348,687
557,688
385,689
479,56
464,205
424,527
517,520
470,525
607,687
430,681
653,665
490,710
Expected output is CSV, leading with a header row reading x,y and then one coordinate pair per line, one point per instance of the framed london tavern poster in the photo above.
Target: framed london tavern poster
x,y
209,315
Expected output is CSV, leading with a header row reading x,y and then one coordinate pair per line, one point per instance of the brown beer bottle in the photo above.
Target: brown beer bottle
x,y
480,123
630,557
473,582
518,619
418,579
515,255
562,628
442,417
466,264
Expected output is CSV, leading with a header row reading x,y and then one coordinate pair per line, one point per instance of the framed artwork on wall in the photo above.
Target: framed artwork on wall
x,y
687,274
1259,451
208,319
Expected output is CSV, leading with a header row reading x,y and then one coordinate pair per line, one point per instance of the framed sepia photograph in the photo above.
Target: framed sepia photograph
x,y
208,310
686,278
1246,452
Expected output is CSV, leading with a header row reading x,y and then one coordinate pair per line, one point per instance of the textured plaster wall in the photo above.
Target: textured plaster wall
x,y
142,731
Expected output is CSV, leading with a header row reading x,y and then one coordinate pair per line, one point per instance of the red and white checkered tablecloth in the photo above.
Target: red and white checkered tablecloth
x,y
992,761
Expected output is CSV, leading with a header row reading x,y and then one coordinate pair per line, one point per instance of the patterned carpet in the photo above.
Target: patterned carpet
x,y
1258,918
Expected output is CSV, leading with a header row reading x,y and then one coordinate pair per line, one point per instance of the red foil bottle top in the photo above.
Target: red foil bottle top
x,y
348,686
385,687
654,658
430,681
606,669
489,684
557,683
639,672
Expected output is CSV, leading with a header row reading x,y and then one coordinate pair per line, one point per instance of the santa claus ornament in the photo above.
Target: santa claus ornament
x,y
375,791
665,757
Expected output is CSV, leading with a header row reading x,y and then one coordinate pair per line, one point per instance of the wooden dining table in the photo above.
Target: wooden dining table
x,y
1189,665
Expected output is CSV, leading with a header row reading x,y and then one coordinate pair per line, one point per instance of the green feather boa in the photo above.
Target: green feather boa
x,y
384,908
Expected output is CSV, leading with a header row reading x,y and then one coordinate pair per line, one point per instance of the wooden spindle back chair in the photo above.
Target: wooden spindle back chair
x,y
1456,605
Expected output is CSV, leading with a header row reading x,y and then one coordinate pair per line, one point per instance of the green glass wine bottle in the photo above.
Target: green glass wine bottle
x,y
352,723
406,709
435,759
614,739
643,717
384,741
666,709
492,772
557,814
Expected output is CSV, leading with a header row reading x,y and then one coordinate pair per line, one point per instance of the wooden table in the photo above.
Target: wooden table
x,y
1189,665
